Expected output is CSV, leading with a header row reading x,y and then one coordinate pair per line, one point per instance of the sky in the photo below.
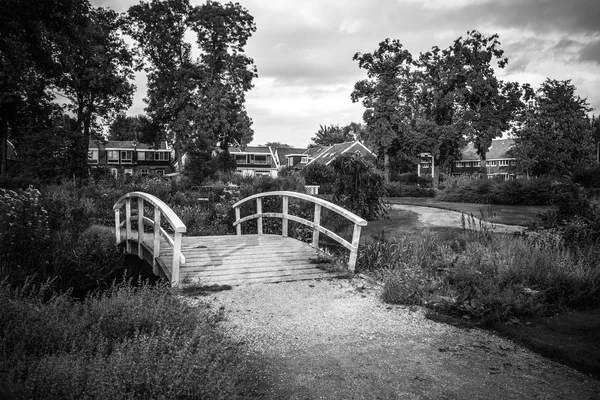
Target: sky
x,y
303,51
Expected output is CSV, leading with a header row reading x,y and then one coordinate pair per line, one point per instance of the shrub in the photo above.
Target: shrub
x,y
413,179
397,189
358,186
485,276
467,189
318,174
124,343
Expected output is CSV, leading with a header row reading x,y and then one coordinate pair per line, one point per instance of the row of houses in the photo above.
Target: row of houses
x,y
498,162
122,158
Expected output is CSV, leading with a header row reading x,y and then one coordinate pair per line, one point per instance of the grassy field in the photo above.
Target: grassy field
x,y
503,214
570,337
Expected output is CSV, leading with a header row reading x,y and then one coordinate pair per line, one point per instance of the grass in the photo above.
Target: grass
x,y
126,343
503,214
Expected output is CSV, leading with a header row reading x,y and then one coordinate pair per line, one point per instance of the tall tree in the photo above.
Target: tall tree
x,y
98,69
485,105
227,72
388,95
31,33
159,28
556,136
328,135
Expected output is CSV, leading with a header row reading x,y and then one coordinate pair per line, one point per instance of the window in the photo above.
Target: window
x,y
126,156
128,171
503,163
161,156
304,160
477,164
240,158
144,172
261,159
114,172
112,156
493,163
459,164
425,165
141,155
160,172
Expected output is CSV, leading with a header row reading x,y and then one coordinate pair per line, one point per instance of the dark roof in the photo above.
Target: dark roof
x,y
250,149
497,150
127,144
328,154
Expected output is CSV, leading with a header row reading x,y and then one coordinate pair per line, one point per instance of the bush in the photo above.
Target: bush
x,y
482,276
318,174
397,189
467,189
358,186
413,179
125,343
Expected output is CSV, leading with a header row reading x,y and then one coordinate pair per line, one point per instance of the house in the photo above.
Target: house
x,y
300,158
130,158
498,162
254,161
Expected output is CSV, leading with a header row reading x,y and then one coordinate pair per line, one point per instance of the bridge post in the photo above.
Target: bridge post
x,y
118,225
238,228
176,257
259,220
317,222
128,224
156,237
284,219
140,226
354,251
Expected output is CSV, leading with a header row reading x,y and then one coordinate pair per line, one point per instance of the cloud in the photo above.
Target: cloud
x,y
591,52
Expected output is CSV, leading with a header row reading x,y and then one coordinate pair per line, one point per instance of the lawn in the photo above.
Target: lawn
x,y
503,214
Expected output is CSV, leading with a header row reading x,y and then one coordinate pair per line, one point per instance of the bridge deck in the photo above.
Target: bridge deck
x,y
237,260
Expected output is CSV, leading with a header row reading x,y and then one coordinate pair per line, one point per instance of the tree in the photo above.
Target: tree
x,y
226,71
31,32
278,145
484,106
388,95
159,28
329,135
195,101
556,137
139,128
98,69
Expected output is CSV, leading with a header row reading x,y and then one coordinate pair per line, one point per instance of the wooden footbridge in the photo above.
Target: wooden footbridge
x,y
228,259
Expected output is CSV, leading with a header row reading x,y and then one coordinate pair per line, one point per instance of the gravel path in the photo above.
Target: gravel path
x,y
334,339
430,216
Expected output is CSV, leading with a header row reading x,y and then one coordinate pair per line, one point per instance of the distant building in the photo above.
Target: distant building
x,y
498,163
130,158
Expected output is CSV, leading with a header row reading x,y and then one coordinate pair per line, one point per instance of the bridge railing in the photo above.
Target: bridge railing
x,y
160,210
315,224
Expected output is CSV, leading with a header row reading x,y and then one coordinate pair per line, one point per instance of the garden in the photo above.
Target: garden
x,y
76,308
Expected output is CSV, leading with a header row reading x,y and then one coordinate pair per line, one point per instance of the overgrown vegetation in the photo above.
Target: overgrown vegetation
x,y
123,343
485,276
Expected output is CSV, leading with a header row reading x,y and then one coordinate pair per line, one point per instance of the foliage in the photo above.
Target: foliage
x,y
555,136
358,186
411,178
318,174
388,96
332,134
124,343
485,105
397,189
483,276
465,189
138,128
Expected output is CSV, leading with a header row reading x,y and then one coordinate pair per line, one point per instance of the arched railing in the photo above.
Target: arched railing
x,y
160,210
315,223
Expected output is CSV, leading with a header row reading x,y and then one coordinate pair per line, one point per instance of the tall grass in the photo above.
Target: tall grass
x,y
125,343
484,275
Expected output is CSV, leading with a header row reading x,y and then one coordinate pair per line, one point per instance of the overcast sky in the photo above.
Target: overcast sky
x,y
303,50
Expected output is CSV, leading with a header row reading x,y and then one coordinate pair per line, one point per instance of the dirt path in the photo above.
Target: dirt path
x,y
334,339
430,216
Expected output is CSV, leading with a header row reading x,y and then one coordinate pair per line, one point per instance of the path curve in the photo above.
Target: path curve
x,y
334,339
430,216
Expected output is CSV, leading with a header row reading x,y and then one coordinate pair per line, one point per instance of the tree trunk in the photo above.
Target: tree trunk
x,y
483,168
386,168
3,146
